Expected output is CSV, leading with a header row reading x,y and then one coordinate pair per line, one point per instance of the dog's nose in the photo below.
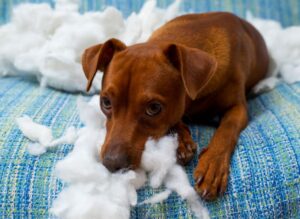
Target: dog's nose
x,y
116,162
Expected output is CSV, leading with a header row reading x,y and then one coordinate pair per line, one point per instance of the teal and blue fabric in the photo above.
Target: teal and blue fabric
x,y
285,11
265,168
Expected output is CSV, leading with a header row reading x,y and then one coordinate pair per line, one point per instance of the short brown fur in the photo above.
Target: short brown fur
x,y
196,65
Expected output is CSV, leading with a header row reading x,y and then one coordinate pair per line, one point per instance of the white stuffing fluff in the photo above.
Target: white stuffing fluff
x,y
158,158
29,129
159,197
43,139
48,43
284,48
94,192
36,149
68,138
177,181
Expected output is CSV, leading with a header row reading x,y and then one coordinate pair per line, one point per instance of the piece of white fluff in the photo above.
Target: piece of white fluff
x,y
159,160
94,192
29,129
284,48
159,197
43,139
38,148
48,43
54,39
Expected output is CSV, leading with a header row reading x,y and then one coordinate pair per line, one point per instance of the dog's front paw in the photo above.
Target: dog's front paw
x,y
211,174
186,149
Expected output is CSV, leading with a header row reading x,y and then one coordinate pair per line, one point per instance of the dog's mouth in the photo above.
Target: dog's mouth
x,y
171,131
126,169
123,157
122,169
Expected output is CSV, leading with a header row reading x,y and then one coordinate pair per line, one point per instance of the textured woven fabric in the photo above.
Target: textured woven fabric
x,y
285,11
27,185
265,169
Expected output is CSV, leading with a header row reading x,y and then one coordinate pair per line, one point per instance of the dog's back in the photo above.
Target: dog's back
x,y
226,37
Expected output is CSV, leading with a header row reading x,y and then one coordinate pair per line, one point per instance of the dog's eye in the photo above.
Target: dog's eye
x,y
105,103
153,109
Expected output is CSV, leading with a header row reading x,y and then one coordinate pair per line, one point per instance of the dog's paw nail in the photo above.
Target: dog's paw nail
x,y
204,193
182,155
199,179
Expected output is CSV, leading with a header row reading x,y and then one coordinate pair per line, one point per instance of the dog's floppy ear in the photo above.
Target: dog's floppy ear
x,y
98,57
195,66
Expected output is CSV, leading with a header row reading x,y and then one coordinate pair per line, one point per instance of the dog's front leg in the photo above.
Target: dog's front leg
x,y
212,170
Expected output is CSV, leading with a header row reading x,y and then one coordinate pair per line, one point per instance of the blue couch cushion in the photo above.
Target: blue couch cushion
x,y
287,12
265,168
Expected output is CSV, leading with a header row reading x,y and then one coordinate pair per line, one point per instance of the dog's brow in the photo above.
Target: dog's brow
x,y
147,97
109,90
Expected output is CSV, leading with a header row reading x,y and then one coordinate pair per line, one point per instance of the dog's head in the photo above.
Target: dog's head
x,y
144,92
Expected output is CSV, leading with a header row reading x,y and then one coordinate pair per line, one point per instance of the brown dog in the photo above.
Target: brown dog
x,y
195,65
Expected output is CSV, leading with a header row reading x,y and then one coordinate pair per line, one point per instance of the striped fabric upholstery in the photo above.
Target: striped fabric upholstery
x,y
265,169
285,11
